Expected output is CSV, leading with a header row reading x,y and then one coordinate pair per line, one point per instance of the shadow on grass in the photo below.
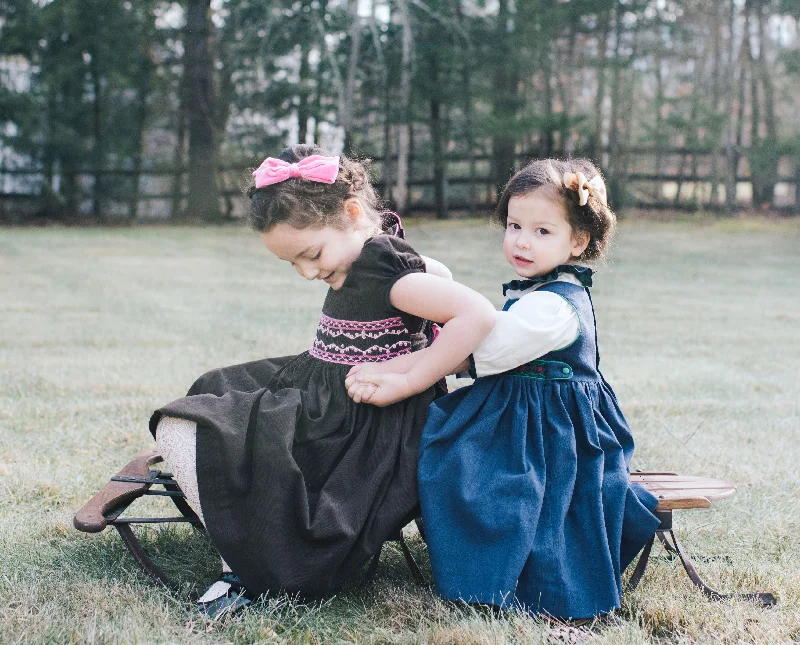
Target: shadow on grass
x,y
185,555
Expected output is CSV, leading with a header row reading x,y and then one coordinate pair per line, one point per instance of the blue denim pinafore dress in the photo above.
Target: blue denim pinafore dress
x,y
524,484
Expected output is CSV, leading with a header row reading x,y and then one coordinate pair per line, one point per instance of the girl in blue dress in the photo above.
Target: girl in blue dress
x,y
524,475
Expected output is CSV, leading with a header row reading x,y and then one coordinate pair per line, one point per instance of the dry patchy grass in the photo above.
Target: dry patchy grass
x,y
699,325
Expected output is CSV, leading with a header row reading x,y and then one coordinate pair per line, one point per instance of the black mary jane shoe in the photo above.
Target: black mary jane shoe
x,y
224,598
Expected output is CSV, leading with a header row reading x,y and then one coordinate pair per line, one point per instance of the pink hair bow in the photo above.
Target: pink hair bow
x,y
314,168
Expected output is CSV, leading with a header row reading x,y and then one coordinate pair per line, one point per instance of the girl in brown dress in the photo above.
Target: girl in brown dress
x,y
297,484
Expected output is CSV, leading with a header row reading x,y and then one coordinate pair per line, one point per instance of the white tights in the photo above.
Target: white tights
x,y
177,441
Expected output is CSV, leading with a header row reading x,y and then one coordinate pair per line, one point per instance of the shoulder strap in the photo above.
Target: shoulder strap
x,y
596,345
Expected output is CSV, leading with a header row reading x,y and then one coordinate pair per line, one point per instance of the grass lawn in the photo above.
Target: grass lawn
x,y
699,328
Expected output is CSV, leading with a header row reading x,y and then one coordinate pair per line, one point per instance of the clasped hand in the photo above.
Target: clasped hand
x,y
372,383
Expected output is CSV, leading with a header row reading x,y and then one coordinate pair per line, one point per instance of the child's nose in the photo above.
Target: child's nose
x,y
523,242
308,272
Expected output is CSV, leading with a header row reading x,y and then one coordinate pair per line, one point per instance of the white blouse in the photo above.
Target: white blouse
x,y
538,323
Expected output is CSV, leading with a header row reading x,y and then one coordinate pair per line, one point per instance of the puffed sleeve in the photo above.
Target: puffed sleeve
x,y
383,261
538,323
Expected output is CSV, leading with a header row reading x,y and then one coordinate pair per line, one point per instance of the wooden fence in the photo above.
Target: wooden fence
x,y
650,178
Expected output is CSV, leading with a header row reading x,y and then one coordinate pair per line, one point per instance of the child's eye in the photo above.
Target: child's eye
x,y
514,225
542,231
316,257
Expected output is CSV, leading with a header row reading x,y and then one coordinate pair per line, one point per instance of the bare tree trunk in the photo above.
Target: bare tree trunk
x,y
626,134
198,67
224,99
143,93
744,58
318,85
716,73
758,163
178,159
755,104
505,101
567,95
614,187
387,169
439,185
383,77
99,142
469,125
348,103
546,63
303,109
49,159
403,129
696,81
599,99
730,153
659,131
70,189
318,79
770,151
770,121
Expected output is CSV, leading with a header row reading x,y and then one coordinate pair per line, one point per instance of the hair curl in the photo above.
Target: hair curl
x,y
308,204
594,218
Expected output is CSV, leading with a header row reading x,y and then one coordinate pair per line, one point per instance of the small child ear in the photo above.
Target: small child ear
x,y
353,209
580,240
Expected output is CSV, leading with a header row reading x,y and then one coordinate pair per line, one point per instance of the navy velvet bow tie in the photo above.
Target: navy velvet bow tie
x,y
584,275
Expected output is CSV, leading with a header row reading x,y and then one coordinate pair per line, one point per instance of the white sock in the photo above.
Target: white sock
x,y
177,440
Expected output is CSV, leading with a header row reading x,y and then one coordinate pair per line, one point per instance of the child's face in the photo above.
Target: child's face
x,y
318,253
538,236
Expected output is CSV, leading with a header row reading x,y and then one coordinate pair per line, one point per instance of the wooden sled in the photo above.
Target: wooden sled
x,y
139,478
682,492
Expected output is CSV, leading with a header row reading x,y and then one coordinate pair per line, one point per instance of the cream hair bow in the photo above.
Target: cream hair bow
x,y
577,181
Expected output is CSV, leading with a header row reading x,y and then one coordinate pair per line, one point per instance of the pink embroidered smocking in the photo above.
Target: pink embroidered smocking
x,y
350,342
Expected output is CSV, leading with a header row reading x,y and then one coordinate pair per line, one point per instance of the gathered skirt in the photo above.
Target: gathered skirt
x,y
526,495
299,485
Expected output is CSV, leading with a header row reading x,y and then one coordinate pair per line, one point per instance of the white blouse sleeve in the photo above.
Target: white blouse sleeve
x,y
538,323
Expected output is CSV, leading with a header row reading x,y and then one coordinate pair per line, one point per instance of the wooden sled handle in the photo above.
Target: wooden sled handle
x,y
90,518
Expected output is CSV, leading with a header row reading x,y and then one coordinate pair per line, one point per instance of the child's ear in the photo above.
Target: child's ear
x,y
580,240
354,211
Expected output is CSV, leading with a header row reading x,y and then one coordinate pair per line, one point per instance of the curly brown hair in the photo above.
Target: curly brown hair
x,y
594,218
308,204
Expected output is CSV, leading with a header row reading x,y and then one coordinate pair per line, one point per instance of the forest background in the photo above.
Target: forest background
x,y
114,111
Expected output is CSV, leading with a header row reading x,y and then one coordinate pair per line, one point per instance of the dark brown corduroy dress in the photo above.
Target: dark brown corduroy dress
x,y
299,485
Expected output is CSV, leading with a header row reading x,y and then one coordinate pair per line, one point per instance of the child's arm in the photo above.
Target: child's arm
x,y
402,364
467,316
535,325
434,267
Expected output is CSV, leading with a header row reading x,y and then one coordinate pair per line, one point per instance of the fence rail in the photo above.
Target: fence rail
x,y
664,178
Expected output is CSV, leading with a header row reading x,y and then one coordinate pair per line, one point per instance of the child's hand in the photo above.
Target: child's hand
x,y
366,371
360,380
378,389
